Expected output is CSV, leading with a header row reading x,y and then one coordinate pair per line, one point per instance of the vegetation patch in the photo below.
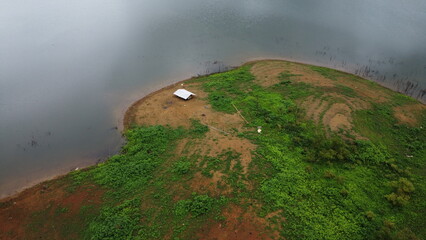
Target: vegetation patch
x,y
327,72
116,222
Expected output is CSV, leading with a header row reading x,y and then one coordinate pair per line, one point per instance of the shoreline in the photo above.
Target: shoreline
x,y
43,178
130,110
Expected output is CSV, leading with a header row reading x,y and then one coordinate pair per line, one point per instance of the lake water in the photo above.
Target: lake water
x,y
69,69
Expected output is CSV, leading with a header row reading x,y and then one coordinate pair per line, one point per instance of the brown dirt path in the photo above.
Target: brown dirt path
x,y
239,224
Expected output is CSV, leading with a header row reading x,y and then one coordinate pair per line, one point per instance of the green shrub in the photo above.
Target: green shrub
x,y
201,204
386,231
406,234
119,222
370,215
340,179
398,200
344,192
182,166
182,207
309,169
198,205
324,149
402,191
329,174
369,153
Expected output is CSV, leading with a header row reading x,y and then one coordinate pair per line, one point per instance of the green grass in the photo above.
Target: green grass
x,y
327,72
198,129
344,90
286,77
222,87
116,222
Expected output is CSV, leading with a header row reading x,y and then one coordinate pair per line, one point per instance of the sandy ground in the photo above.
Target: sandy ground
x,y
409,114
239,225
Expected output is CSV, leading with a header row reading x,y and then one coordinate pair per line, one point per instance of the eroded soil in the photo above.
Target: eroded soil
x,y
38,212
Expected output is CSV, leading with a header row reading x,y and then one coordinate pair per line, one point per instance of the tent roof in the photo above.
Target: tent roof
x,y
182,93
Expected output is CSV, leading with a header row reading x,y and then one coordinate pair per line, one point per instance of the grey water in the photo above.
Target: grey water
x,y
69,69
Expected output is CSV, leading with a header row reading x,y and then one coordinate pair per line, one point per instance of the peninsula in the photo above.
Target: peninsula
x,y
270,150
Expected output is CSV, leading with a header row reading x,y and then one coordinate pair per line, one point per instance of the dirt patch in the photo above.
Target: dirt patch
x,y
337,116
164,108
409,114
215,143
267,73
314,107
238,224
18,215
365,89
334,111
209,185
353,103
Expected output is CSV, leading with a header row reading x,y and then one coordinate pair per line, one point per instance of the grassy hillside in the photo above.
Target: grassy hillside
x,y
338,157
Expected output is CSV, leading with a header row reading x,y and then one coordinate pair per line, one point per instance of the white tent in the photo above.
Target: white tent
x,y
184,94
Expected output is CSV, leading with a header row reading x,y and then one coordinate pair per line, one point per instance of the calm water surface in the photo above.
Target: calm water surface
x,y
69,69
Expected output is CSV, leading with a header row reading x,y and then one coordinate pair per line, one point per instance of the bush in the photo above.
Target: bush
x,y
182,166
309,169
369,153
344,192
340,179
385,231
329,174
323,149
406,234
117,222
402,190
198,205
370,215
201,204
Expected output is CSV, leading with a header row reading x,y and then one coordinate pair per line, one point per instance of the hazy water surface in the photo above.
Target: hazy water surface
x,y
68,69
